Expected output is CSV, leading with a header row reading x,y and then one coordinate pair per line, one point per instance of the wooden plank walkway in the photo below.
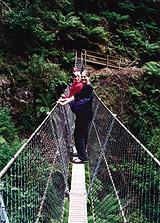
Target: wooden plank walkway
x,y
78,204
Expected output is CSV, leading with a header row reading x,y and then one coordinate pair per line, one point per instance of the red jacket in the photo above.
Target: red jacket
x,y
75,88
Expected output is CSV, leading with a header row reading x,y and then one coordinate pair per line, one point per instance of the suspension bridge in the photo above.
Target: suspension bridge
x,y
120,183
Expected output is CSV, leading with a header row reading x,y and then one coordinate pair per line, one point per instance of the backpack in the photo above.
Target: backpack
x,y
78,105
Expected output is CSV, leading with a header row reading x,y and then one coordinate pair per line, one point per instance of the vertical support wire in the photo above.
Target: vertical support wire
x,y
91,197
154,193
15,191
101,155
24,186
158,218
7,193
94,116
18,189
27,185
45,191
68,127
98,164
59,155
22,195
150,194
11,179
115,190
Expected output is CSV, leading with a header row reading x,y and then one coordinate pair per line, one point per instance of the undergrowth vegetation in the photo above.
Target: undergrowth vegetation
x,y
9,140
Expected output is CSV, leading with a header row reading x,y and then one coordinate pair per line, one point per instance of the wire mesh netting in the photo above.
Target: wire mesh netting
x,y
34,185
125,183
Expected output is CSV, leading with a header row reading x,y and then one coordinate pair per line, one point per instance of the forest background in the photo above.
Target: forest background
x,y
38,40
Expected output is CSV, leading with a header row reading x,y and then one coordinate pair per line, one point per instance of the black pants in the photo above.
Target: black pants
x,y
81,132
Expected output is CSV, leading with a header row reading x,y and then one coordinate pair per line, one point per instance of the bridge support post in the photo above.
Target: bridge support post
x,y
119,63
85,58
107,60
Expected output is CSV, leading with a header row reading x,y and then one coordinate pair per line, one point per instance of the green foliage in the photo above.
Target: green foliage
x,y
39,67
154,143
65,26
47,100
4,152
89,202
23,20
66,211
47,78
54,24
107,205
153,75
68,60
9,141
65,22
137,217
133,37
7,129
150,28
94,34
115,19
89,20
27,119
150,51
127,5
135,92
8,150
143,104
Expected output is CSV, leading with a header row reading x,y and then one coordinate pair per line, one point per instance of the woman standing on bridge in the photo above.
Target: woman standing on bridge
x,y
81,105
76,86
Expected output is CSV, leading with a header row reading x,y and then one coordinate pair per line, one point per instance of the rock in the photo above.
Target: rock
x,y
15,99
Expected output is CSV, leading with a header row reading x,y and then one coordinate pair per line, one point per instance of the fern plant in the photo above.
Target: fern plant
x,y
9,140
153,74
7,129
65,26
44,104
150,51
115,19
91,36
89,19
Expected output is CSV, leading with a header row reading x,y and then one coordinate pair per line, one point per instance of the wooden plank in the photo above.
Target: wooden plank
x,y
92,52
78,203
91,61
115,62
94,57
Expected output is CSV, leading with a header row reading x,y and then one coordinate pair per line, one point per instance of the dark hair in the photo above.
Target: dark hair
x,y
86,73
